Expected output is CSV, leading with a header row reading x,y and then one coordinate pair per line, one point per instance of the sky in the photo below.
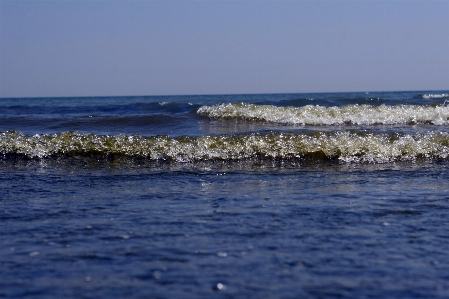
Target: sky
x,y
58,48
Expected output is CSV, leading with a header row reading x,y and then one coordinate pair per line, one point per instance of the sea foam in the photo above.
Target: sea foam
x,y
319,146
321,115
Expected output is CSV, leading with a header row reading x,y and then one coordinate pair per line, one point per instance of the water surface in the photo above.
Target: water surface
x,y
150,197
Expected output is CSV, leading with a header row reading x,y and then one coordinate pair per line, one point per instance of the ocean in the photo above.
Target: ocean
x,y
318,195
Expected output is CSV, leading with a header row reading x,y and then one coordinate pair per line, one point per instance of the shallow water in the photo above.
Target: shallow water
x,y
95,224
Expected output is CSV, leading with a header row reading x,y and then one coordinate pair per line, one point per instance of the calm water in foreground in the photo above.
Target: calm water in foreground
x,y
241,196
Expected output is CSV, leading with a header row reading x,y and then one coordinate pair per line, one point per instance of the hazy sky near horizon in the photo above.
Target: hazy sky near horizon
x,y
113,48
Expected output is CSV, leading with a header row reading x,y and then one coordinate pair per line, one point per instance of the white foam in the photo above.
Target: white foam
x,y
320,115
435,96
345,146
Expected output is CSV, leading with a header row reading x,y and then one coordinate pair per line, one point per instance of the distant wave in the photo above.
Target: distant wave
x,y
320,115
320,146
435,96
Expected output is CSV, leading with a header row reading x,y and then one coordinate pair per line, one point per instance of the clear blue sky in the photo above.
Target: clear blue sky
x,y
108,48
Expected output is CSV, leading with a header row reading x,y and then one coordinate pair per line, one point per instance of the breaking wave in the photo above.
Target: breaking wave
x,y
322,146
435,96
321,115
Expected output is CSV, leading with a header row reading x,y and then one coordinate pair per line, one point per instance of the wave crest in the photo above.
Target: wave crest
x,y
435,96
344,146
320,115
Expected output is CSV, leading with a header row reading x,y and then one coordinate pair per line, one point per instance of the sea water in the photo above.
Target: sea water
x,y
325,195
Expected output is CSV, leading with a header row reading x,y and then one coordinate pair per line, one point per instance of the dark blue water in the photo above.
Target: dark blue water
x,y
93,214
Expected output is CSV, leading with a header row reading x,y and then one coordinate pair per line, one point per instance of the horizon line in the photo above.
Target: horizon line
x,y
217,94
